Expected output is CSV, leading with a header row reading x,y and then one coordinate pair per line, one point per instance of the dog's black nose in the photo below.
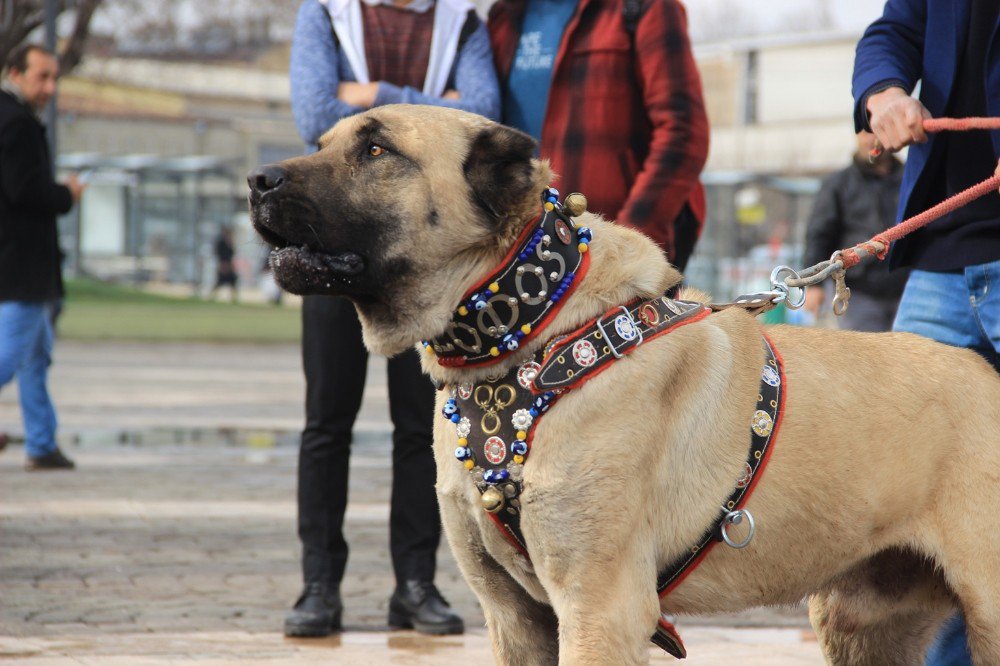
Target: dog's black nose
x,y
266,178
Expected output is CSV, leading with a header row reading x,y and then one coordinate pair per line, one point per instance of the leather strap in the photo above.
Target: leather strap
x,y
763,430
580,355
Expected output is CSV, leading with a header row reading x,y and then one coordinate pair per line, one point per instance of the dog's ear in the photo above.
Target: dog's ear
x,y
499,170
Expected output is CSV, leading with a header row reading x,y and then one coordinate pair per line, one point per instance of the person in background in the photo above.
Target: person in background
x,y
225,268
611,92
376,53
853,205
30,276
950,46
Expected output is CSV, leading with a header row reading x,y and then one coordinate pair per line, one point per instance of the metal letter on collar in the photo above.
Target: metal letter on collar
x,y
499,404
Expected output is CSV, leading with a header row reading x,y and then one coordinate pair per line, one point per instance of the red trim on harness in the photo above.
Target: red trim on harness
x,y
756,477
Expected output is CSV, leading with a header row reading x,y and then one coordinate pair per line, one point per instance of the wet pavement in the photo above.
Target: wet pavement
x,y
175,540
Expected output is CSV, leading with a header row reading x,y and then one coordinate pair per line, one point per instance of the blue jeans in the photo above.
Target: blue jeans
x,y
962,309
26,351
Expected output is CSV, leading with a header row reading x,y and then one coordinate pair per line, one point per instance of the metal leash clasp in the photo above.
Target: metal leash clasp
x,y
735,518
793,297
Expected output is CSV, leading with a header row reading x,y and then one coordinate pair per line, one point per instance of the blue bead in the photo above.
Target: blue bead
x,y
501,475
554,299
480,305
511,345
549,395
488,294
571,276
519,448
533,411
449,409
455,418
519,335
489,476
463,452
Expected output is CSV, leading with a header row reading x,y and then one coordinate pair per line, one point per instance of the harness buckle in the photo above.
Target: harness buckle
x,y
630,325
735,518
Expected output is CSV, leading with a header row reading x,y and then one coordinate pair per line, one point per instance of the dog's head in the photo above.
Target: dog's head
x,y
402,208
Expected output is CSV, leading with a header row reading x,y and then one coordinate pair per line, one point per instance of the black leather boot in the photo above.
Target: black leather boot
x,y
417,604
317,612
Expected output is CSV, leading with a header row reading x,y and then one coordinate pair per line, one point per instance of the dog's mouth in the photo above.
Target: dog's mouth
x,y
304,270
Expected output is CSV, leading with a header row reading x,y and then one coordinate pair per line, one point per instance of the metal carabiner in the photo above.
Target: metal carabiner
x,y
735,518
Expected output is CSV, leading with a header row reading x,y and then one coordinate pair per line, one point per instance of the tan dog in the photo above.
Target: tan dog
x,y
882,492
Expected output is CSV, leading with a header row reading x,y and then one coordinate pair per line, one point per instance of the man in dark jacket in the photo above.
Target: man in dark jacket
x,y
611,91
853,205
30,200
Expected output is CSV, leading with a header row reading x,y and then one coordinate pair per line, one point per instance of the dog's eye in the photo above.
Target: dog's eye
x,y
375,150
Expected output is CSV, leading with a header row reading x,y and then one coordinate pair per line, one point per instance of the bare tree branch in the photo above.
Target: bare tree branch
x,y
73,50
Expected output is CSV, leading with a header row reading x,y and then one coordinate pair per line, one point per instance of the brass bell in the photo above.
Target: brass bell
x,y
575,204
492,500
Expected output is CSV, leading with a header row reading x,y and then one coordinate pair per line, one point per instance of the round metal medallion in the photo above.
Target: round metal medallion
x,y
563,232
495,450
771,376
465,391
584,353
526,374
463,427
762,423
626,327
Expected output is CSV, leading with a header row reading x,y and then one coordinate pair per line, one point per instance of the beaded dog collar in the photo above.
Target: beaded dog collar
x,y
516,302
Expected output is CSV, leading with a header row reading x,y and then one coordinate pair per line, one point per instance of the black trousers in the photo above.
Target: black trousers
x,y
335,362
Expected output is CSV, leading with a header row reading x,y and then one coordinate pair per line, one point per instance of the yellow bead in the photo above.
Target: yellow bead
x,y
549,207
469,464
518,459
494,351
462,441
462,310
582,247
429,349
494,287
522,434
526,329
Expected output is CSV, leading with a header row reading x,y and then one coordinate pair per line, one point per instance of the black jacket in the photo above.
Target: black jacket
x,y
853,205
30,201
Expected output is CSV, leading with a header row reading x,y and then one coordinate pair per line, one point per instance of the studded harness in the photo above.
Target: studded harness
x,y
495,419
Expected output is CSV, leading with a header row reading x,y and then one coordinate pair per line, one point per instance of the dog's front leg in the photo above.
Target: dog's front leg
x,y
601,585
524,632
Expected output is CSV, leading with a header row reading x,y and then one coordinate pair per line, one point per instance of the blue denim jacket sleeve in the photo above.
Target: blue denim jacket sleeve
x,y
315,71
472,76
890,51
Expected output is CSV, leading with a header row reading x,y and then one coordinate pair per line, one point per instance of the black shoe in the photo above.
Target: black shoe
x,y
316,614
417,604
3,440
50,461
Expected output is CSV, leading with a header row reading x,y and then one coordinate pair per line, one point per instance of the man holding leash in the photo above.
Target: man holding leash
x,y
612,93
951,47
349,56
30,276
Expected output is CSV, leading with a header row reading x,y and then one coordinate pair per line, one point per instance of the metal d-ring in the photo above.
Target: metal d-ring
x,y
735,518
796,296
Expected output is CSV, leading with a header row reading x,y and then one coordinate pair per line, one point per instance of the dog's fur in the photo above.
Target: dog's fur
x,y
880,499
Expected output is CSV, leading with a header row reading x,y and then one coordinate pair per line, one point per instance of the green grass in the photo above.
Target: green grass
x,y
99,311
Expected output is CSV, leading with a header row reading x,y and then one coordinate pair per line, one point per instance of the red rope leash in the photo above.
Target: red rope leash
x,y
878,245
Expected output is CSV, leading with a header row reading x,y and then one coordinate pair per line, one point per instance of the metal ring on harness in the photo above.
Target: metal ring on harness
x,y
795,297
735,518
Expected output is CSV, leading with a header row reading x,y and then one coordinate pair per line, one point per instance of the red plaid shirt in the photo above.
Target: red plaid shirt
x,y
625,122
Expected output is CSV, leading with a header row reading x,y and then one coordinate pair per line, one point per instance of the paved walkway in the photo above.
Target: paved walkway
x,y
175,538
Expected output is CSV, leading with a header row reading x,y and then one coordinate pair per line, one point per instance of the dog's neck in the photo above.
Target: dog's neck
x,y
624,265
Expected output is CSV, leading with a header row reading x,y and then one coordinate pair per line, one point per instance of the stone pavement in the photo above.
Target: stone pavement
x,y
175,538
